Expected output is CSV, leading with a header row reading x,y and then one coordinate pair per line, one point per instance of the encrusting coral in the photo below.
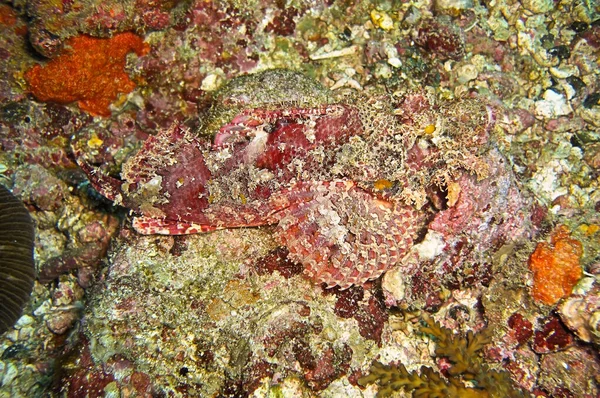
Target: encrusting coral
x,y
504,89
467,377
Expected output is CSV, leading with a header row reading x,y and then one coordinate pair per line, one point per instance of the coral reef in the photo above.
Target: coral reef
x,y
13,31
266,325
441,38
581,311
499,100
52,24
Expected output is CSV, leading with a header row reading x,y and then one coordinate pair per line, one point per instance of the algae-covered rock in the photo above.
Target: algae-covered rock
x,y
195,314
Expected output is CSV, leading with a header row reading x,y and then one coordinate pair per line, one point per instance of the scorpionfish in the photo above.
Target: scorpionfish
x,y
345,182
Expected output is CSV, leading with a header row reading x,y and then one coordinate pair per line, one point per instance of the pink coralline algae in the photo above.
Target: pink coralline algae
x,y
552,336
370,314
51,23
349,184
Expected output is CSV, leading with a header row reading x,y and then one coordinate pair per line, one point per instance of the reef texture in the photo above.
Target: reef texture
x,y
239,329
476,121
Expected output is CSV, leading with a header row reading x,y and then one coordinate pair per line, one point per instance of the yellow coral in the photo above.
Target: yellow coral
x,y
590,229
382,184
95,142
429,129
382,20
467,365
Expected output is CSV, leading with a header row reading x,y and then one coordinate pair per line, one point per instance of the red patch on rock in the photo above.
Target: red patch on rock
x,y
522,329
371,320
328,367
347,304
283,24
442,39
277,261
551,337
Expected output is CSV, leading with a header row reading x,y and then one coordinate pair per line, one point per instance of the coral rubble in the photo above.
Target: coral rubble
x,y
265,325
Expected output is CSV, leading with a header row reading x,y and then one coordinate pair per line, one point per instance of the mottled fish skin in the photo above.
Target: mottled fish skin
x,y
344,183
17,268
344,235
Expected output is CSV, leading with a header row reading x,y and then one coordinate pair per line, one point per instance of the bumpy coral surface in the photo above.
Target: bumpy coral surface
x,y
89,72
556,266
465,364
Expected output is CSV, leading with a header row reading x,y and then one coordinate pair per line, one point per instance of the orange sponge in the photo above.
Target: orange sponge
x,y
556,268
90,71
